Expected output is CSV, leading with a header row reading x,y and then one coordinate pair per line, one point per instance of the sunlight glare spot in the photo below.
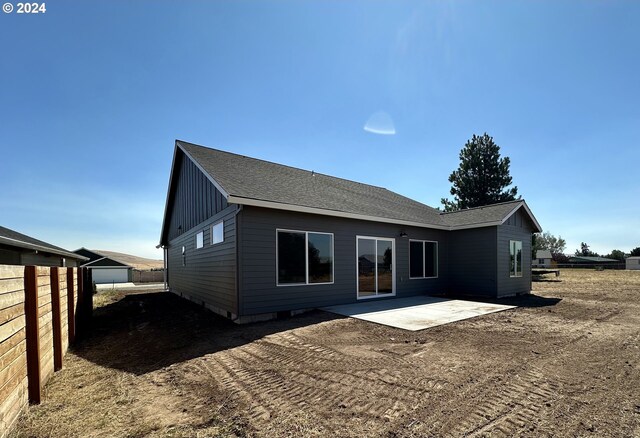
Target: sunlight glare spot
x,y
380,123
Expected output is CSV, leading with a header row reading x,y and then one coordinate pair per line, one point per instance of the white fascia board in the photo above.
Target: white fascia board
x,y
312,210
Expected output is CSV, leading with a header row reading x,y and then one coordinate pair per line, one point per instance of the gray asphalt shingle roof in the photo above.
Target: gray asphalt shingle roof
x,y
480,215
13,238
251,178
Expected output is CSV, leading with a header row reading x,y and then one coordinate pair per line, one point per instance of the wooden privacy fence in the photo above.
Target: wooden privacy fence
x,y
155,276
42,311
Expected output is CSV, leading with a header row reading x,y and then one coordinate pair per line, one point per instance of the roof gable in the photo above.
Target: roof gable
x,y
91,255
489,215
107,261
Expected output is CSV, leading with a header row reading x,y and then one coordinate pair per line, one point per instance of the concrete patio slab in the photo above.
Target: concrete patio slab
x,y
416,313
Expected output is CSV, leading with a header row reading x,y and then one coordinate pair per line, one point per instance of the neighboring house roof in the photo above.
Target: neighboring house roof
x,y
96,259
250,181
592,259
633,258
106,262
13,238
543,254
92,255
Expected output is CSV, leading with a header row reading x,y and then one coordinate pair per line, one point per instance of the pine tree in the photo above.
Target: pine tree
x,y
481,178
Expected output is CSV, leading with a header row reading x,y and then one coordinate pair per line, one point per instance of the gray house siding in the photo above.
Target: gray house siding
x,y
473,262
257,259
19,256
195,199
209,273
517,227
9,256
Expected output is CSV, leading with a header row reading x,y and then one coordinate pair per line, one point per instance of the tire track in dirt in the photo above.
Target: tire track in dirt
x,y
305,374
526,395
516,405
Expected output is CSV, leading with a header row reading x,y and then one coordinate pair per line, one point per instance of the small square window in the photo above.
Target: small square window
x,y
200,239
217,233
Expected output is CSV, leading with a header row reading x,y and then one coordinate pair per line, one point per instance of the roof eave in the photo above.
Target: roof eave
x,y
325,212
32,246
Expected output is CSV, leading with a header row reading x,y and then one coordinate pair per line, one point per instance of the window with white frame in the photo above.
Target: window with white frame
x,y
423,259
184,256
217,233
515,258
200,239
303,257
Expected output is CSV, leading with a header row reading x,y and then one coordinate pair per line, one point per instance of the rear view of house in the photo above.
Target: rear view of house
x,y
249,239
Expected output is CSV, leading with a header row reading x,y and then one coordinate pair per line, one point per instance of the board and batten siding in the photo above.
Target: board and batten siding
x,y
517,227
472,254
194,200
257,260
209,274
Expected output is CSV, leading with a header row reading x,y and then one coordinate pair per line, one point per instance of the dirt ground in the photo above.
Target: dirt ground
x,y
566,363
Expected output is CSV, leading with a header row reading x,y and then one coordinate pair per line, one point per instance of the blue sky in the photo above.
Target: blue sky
x,y
94,94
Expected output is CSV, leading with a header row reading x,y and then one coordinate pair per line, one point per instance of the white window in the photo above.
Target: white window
x,y
184,256
423,259
200,239
217,233
515,258
303,258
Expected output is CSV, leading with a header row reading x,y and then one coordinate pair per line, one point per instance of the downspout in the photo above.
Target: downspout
x,y
237,239
164,265
165,256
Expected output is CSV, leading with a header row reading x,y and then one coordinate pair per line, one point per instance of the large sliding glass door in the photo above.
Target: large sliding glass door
x,y
376,267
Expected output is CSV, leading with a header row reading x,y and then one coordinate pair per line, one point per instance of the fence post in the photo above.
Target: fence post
x,y
87,301
56,313
32,333
71,308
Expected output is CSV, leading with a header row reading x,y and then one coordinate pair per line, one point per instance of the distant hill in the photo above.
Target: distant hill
x,y
135,261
